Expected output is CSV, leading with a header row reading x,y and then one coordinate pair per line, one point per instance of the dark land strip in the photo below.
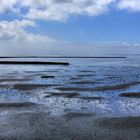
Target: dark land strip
x,y
32,63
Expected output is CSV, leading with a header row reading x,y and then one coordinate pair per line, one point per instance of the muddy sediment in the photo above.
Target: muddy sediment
x,y
130,94
17,105
90,98
83,82
46,77
100,88
71,126
31,86
67,95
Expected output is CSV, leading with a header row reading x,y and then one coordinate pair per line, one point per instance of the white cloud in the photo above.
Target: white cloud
x,y
59,10
14,31
56,9
132,5
6,5
62,9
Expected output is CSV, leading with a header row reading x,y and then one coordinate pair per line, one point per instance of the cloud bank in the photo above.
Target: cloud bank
x,y
59,10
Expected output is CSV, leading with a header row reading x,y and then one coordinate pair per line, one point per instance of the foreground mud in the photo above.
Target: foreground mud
x,y
71,126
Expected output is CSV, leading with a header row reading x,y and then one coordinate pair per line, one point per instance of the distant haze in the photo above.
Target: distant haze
x,y
69,49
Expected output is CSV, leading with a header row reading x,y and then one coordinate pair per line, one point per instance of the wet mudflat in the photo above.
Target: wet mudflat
x,y
89,99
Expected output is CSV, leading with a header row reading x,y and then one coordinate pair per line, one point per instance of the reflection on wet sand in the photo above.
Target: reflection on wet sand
x,y
68,95
17,105
84,82
31,86
82,101
71,115
91,98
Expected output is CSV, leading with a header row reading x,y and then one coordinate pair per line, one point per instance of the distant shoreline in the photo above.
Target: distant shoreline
x,y
63,57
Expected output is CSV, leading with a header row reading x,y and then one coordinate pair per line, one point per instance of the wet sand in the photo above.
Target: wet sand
x,y
45,77
13,80
17,105
71,126
84,82
91,98
67,95
85,75
25,121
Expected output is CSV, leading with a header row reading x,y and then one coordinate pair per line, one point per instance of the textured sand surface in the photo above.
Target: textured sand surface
x,y
94,99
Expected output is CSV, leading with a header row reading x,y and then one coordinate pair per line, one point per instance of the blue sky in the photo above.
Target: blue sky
x,y
54,26
115,26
